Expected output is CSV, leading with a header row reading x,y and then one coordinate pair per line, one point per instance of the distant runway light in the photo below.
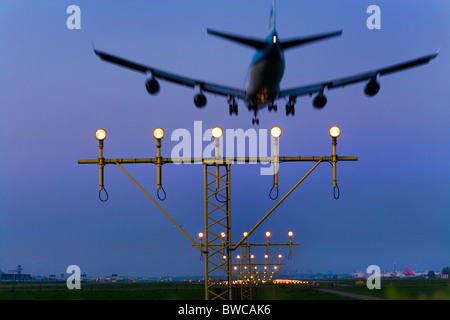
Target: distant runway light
x,y
100,134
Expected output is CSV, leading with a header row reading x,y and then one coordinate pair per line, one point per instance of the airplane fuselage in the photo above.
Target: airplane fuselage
x,y
265,73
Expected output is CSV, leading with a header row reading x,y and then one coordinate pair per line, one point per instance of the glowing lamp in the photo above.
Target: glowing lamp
x,y
335,131
217,132
100,134
275,132
158,133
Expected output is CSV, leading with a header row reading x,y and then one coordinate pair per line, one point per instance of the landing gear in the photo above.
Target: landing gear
x,y
255,120
233,106
272,106
290,106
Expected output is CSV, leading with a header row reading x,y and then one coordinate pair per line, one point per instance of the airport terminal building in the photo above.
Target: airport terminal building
x,y
14,276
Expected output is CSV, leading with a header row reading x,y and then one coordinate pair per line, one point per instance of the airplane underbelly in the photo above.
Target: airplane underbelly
x,y
264,82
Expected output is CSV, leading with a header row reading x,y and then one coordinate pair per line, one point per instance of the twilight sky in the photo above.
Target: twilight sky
x,y
55,92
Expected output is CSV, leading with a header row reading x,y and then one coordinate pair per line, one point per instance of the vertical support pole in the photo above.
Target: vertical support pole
x,y
228,167
275,162
158,164
290,234
334,160
101,162
217,233
217,155
246,272
206,234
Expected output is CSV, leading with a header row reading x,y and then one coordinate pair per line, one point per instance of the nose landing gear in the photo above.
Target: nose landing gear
x,y
255,119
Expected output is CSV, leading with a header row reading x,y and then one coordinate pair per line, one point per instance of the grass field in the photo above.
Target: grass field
x,y
392,289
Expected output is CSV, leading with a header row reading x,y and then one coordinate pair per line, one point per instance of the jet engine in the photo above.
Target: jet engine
x,y
152,86
320,101
372,87
200,100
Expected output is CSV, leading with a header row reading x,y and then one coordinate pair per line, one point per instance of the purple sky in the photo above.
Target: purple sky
x,y
54,93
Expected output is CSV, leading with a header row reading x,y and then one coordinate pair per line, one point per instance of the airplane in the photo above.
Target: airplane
x,y
265,73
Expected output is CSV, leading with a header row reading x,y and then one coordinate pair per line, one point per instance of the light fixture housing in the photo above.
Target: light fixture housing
x,y
217,132
100,134
158,133
275,132
335,131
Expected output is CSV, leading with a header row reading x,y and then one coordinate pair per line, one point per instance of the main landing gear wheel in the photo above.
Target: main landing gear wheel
x,y
233,105
233,109
290,109
273,107
290,106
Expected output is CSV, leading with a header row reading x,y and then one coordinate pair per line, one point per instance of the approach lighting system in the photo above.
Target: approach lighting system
x,y
217,132
275,132
214,242
158,133
100,134
335,131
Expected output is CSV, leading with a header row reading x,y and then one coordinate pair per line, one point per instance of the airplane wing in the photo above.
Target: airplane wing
x,y
319,87
160,74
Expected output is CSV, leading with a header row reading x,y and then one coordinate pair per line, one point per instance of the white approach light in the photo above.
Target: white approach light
x,y
158,133
100,134
217,132
335,131
275,132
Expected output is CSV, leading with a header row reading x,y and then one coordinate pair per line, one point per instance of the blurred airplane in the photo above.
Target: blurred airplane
x,y
264,75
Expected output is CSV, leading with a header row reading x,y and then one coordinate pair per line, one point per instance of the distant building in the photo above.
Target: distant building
x,y
15,275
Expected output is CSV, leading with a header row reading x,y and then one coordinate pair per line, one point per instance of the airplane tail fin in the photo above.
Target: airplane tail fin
x,y
254,43
272,21
304,40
